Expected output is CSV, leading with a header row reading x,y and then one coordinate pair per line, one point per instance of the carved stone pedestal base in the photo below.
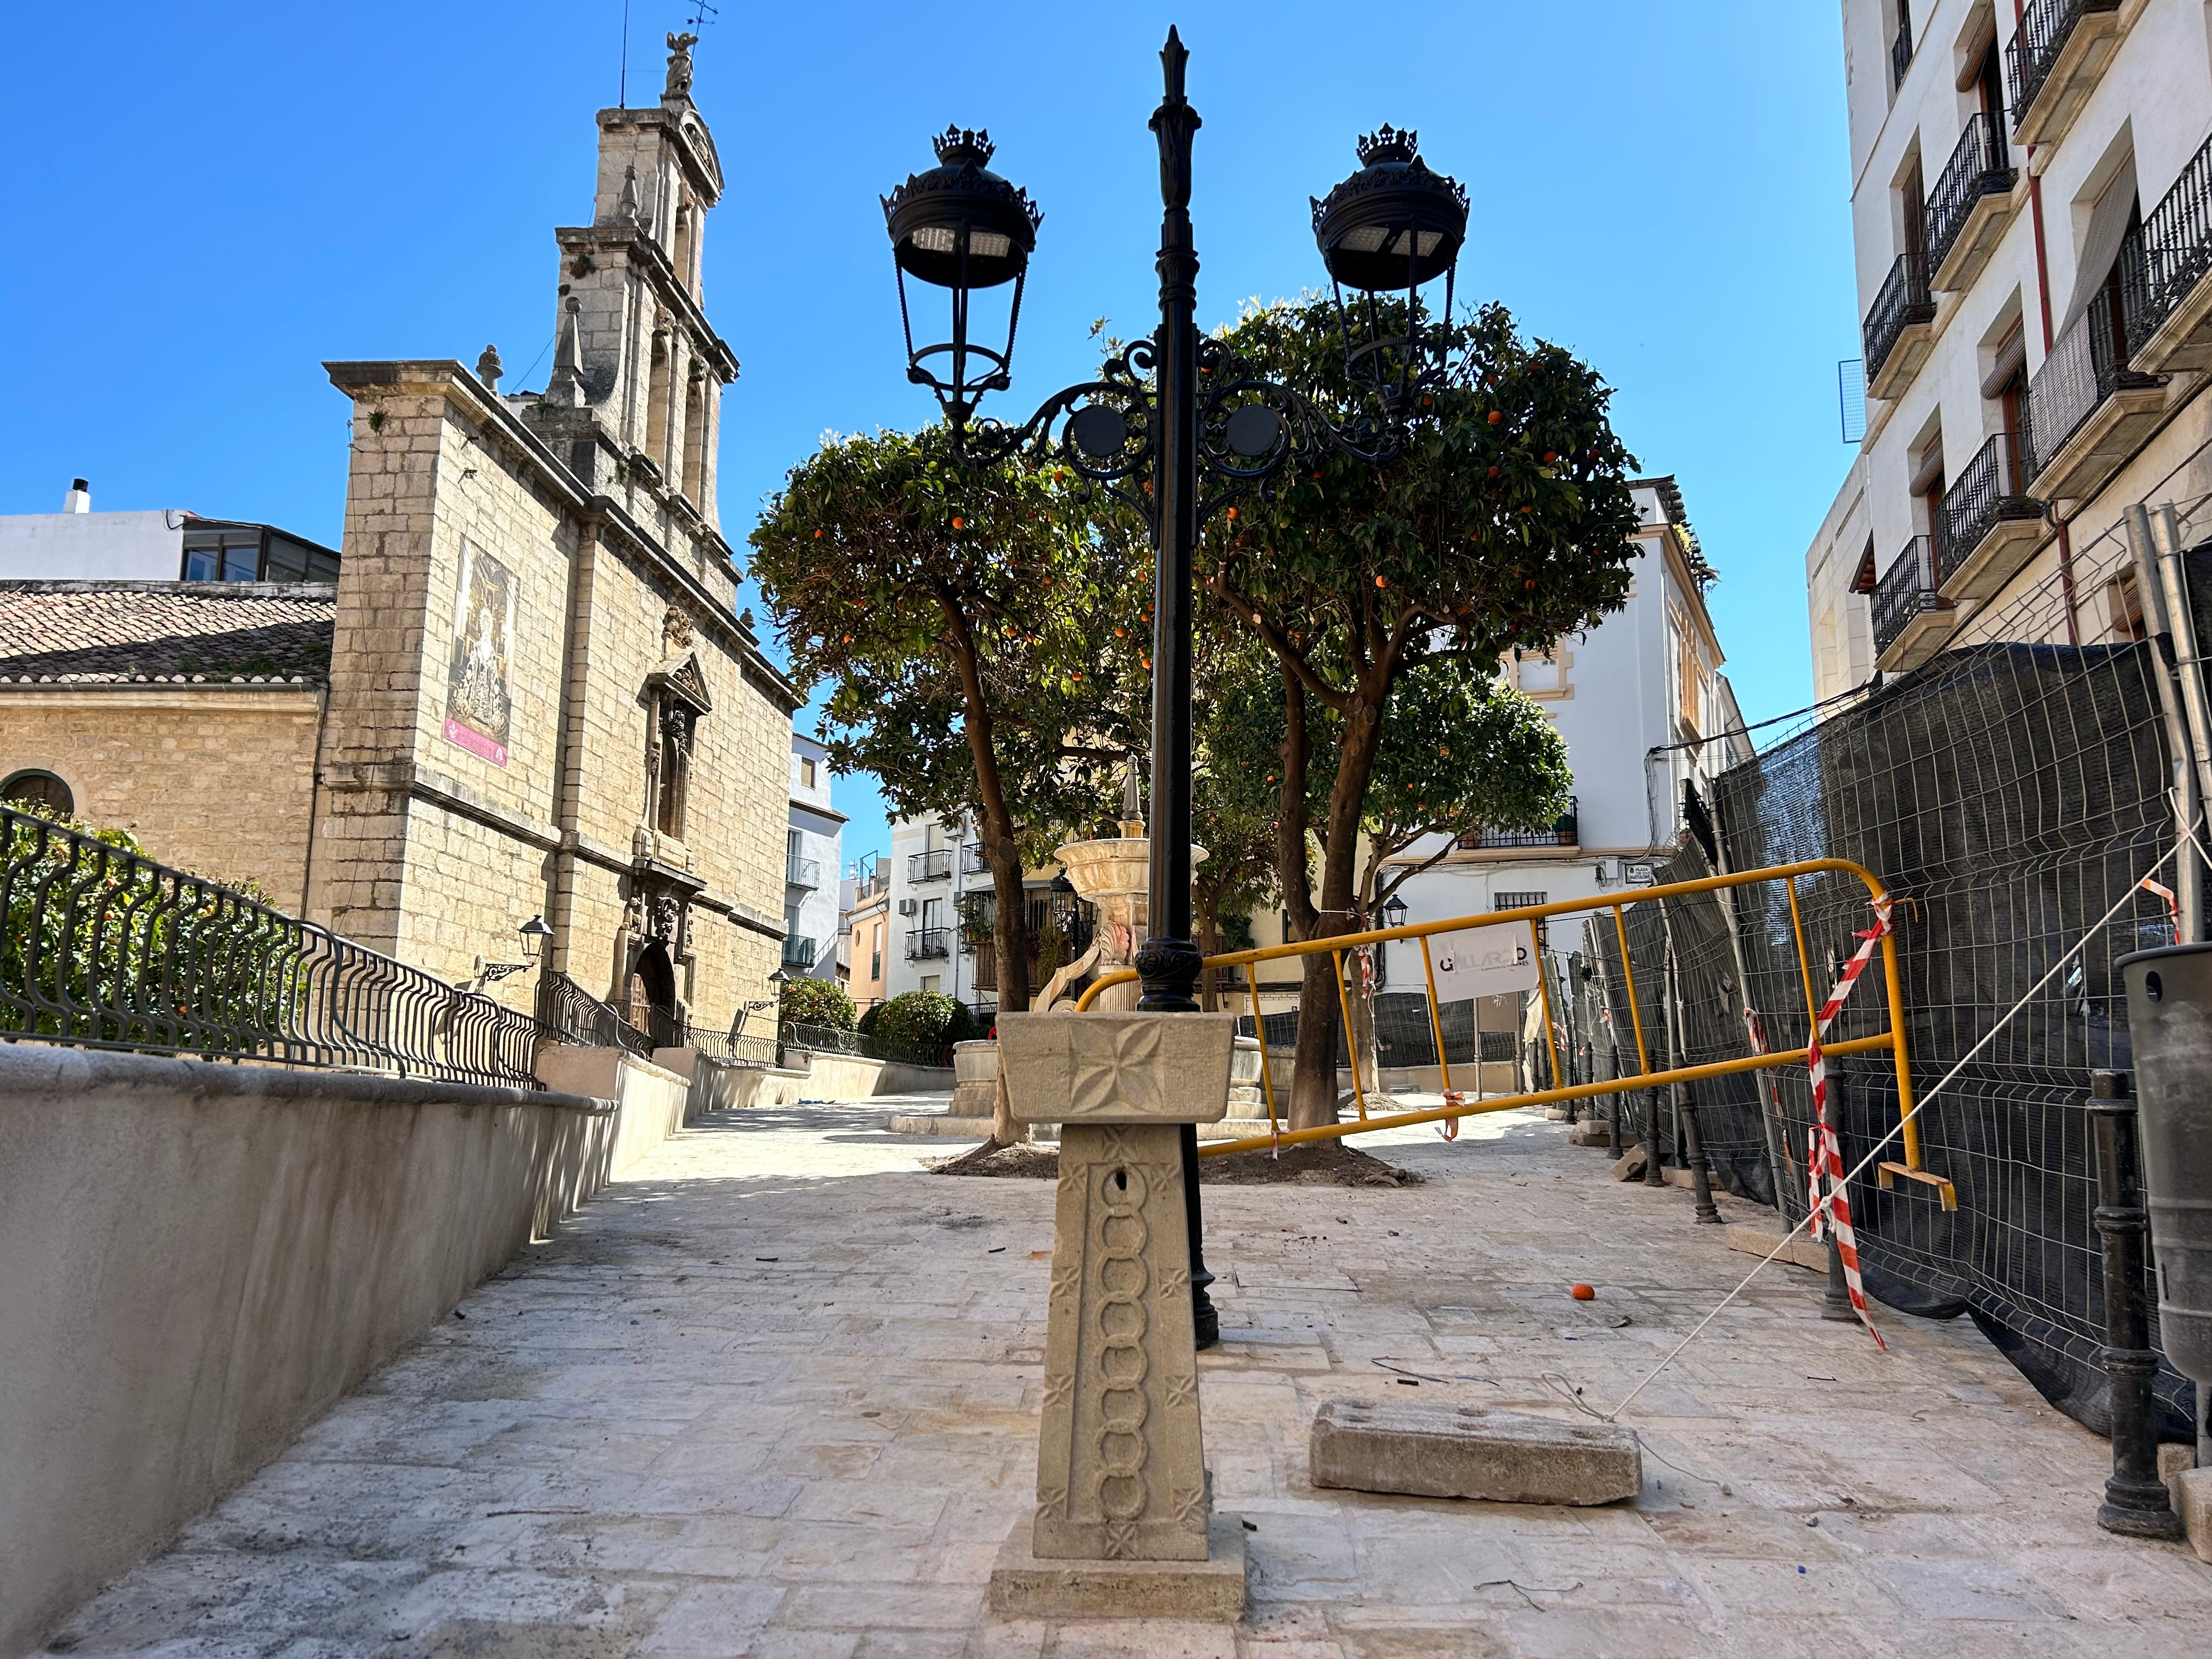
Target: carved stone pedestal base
x,y
1026,1585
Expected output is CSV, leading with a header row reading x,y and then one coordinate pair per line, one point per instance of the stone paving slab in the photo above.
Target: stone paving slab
x,y
775,1396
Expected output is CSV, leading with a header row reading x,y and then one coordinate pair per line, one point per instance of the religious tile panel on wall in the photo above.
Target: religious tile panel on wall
x,y
479,700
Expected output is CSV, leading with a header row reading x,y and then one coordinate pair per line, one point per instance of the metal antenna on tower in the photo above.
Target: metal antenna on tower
x,y
702,14
621,98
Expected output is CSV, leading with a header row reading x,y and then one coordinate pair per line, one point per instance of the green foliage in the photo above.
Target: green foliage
x,y
867,1025
965,620
809,1001
1506,520
921,1027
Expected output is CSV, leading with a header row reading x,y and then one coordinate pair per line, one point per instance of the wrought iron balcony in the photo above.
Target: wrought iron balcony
x,y
1906,590
2086,406
1990,496
974,861
1900,49
1980,166
2051,36
929,867
2167,316
801,872
928,944
1905,302
799,954
1566,831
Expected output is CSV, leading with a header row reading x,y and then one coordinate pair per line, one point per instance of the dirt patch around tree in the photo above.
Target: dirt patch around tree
x,y
1312,1163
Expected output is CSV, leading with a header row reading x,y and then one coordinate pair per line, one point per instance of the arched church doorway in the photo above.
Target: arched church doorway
x,y
653,994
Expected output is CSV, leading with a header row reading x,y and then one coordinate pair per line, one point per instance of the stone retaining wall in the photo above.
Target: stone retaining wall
x,y
198,1259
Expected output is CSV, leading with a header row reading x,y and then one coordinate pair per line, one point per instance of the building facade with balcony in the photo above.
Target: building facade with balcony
x,y
1643,706
868,935
941,908
2032,216
813,859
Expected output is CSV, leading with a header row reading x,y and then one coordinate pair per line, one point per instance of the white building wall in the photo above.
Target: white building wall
x,y
144,547
814,859
1618,697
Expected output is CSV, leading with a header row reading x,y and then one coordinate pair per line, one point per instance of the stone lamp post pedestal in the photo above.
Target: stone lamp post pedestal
x,y
1124,1523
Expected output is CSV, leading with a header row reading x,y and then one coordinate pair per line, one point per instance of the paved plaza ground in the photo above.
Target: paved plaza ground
x,y
777,1394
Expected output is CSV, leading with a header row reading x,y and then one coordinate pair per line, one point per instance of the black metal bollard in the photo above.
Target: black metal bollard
x,y
1836,1300
1693,1153
1654,1176
2135,1500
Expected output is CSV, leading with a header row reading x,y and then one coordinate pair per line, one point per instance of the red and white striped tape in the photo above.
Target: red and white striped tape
x,y
1825,1153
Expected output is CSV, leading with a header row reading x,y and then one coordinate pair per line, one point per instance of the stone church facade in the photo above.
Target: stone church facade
x,y
540,698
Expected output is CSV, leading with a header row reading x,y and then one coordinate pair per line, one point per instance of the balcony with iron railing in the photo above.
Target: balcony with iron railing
x,y
2055,54
801,872
2169,301
974,861
928,944
2086,407
929,867
1900,326
1971,204
1990,523
799,954
1910,615
1900,47
1564,831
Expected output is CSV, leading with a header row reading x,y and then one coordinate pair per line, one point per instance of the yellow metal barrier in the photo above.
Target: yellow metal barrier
x,y
1891,1039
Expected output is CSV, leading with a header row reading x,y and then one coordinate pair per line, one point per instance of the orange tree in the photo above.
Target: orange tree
x,y
1505,521
965,620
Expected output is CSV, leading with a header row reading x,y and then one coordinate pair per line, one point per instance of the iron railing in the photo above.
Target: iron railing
x,y
2087,363
1900,49
801,872
1904,300
574,1015
1905,590
1980,165
105,948
824,1039
929,867
1991,490
1564,831
801,954
731,1047
2175,251
928,944
975,861
2045,29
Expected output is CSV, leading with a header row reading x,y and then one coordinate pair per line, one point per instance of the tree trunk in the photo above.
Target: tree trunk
x,y
1313,1088
1010,929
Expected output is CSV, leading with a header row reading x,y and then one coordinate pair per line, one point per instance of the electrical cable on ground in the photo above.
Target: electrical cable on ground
x,y
1920,1105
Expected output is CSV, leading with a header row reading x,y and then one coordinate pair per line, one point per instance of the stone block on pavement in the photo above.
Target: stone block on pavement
x,y
1590,1133
1629,1166
1472,1451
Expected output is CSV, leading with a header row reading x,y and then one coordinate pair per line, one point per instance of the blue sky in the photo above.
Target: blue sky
x,y
211,201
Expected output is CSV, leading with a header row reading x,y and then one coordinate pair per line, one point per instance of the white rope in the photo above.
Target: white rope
x,y
1919,1106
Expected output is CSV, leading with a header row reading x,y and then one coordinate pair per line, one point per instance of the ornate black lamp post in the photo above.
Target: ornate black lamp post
x,y
1176,426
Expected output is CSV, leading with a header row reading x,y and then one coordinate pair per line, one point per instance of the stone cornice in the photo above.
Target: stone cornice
x,y
446,377
640,246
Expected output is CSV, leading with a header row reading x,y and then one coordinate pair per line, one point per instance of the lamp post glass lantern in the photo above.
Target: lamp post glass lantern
x,y
1176,426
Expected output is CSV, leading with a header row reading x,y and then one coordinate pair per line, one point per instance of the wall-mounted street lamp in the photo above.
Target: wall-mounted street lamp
x,y
1175,414
1394,912
534,934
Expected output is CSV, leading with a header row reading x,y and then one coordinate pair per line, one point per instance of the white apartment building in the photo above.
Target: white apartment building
x,y
2031,214
940,908
1643,706
814,850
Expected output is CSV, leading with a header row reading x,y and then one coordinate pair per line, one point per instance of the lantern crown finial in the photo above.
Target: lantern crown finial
x,y
1390,143
959,146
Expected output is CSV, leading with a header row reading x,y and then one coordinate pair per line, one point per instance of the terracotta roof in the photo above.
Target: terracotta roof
x,y
188,632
